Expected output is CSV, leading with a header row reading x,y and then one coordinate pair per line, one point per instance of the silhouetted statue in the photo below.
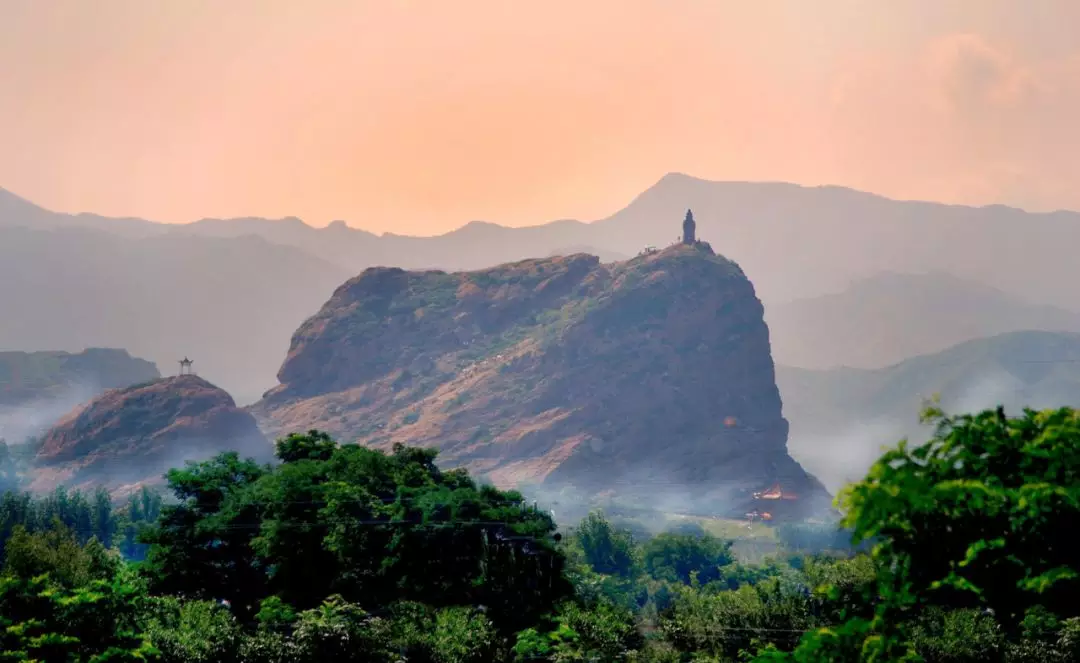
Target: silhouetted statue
x,y
689,229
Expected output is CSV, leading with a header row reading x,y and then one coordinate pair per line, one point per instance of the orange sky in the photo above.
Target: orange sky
x,y
417,116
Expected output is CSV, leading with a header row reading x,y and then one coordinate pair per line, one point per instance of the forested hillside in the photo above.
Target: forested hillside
x,y
340,553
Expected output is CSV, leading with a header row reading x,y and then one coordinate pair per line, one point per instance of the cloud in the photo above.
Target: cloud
x,y
972,76
965,121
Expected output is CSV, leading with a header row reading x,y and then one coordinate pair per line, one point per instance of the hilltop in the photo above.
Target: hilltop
x,y
650,376
133,435
841,418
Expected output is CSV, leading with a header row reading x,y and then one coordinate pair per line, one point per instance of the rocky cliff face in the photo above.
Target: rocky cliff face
x,y
134,435
644,376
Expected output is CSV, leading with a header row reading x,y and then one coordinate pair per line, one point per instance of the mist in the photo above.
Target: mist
x,y
843,454
21,423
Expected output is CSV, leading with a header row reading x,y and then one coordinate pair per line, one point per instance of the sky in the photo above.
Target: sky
x,y
416,117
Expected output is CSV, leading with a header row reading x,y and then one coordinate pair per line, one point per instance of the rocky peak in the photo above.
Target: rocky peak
x,y
135,434
641,375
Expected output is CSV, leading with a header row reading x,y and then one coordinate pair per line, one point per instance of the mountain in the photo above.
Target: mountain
x,y
36,388
889,317
800,242
203,289
132,436
803,242
229,304
651,376
28,376
841,418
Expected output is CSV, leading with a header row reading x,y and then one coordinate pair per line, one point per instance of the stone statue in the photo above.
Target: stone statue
x,y
689,229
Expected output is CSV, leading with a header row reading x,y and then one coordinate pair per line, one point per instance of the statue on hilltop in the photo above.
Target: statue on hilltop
x,y
689,229
689,235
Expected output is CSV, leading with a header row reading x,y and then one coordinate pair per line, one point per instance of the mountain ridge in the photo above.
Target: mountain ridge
x,y
802,241
891,316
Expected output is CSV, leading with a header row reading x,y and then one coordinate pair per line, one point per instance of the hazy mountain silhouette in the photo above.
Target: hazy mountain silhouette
x,y
232,290
798,241
889,317
229,304
841,418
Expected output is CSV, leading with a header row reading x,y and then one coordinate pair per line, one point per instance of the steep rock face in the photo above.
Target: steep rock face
x,y
646,376
133,435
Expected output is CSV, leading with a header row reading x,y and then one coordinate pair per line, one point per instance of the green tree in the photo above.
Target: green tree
x,y
60,601
679,557
202,546
981,516
10,477
606,549
191,631
372,527
57,554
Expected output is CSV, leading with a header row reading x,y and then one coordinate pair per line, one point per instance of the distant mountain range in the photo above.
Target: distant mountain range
x,y
794,241
887,318
37,388
229,292
229,304
841,418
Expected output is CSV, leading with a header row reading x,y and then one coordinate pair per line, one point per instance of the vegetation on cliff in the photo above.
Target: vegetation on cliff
x,y
561,370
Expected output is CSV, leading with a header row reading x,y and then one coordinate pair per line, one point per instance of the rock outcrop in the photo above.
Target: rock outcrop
x,y
650,376
132,436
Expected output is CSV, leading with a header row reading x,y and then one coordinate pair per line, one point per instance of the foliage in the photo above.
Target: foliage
x,y
813,538
601,633
63,602
88,517
979,517
607,550
683,557
57,554
190,631
371,527
10,477
341,553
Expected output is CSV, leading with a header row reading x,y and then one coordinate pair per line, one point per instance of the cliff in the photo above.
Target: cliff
x,y
135,434
643,377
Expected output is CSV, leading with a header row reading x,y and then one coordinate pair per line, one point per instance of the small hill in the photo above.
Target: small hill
x,y
650,376
841,418
889,317
36,388
133,435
